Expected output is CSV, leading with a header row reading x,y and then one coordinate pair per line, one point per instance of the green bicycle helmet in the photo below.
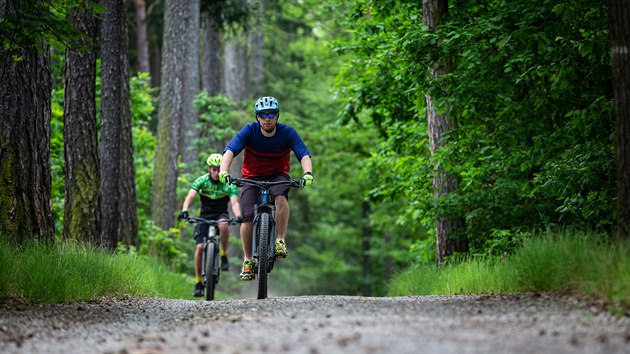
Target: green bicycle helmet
x,y
214,160
267,104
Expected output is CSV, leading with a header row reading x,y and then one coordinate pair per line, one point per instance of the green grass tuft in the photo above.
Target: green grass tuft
x,y
584,264
70,272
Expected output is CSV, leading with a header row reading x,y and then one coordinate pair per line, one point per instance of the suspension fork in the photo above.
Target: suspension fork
x,y
272,229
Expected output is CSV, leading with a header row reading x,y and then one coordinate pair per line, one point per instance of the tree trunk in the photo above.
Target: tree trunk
x,y
190,131
142,40
25,195
620,39
256,59
433,13
118,208
212,64
127,210
170,115
235,69
82,219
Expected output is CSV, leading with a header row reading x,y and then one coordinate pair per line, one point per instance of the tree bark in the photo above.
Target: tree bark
x,y
256,59
212,64
118,208
25,89
192,86
235,69
170,115
620,40
142,40
82,219
433,13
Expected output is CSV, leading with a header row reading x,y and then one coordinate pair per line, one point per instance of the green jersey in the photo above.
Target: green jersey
x,y
214,194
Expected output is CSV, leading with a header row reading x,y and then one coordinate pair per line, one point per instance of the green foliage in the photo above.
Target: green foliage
x,y
216,115
57,163
72,272
582,263
143,105
42,20
529,87
228,13
167,246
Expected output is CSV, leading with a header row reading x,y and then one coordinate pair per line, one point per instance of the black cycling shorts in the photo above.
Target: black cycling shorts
x,y
249,193
202,229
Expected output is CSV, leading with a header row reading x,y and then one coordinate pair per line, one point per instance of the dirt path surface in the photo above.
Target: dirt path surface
x,y
314,324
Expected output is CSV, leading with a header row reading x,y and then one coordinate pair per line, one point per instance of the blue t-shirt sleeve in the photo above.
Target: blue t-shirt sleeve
x,y
239,141
297,144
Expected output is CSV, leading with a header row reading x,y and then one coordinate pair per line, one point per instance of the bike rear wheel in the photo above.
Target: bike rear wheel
x,y
263,255
210,271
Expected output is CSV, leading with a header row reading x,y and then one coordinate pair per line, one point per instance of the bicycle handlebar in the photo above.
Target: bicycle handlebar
x,y
230,220
239,182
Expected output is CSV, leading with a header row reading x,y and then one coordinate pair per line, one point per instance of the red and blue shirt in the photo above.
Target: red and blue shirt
x,y
267,156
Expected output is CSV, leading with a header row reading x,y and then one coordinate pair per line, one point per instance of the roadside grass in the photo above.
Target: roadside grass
x,y
585,265
71,272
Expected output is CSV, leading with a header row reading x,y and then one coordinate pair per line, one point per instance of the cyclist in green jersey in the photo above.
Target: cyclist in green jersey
x,y
214,206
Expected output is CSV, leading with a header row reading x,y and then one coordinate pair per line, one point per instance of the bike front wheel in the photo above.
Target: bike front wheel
x,y
263,254
211,272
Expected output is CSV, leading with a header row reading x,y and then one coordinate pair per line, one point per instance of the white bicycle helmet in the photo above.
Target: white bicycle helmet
x,y
267,104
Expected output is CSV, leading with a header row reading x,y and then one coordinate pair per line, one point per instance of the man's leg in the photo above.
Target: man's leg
x,y
282,221
198,279
198,251
246,239
282,216
224,234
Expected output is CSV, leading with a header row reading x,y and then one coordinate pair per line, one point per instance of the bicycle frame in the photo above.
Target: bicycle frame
x,y
266,200
264,229
210,270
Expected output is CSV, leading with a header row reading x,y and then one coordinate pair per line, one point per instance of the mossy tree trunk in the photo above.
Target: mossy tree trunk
x,y
170,115
212,64
82,218
118,197
439,124
236,67
190,131
25,179
256,63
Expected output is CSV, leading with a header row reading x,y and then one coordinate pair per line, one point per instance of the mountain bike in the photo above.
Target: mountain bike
x,y
210,270
264,229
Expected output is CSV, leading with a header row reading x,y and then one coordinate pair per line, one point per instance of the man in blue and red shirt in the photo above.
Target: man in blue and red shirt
x,y
267,145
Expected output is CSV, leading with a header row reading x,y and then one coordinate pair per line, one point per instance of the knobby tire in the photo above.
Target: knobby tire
x,y
210,270
263,255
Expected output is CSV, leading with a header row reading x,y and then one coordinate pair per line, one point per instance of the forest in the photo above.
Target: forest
x,y
439,130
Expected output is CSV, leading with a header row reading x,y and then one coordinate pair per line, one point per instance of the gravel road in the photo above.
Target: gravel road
x,y
314,324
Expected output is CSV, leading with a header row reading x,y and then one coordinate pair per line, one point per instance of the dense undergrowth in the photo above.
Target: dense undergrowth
x,y
71,272
585,265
